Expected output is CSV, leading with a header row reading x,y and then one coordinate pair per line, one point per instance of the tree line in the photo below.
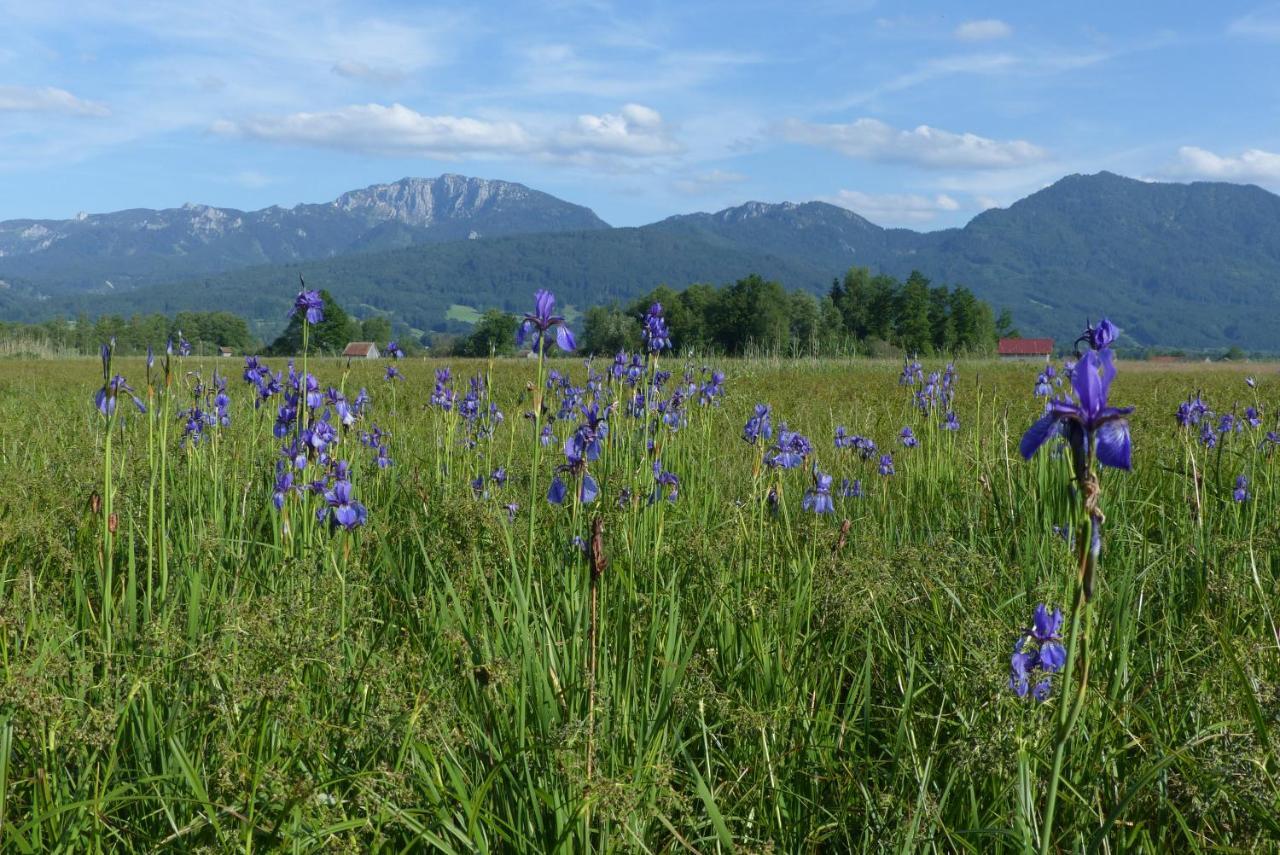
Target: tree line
x,y
860,314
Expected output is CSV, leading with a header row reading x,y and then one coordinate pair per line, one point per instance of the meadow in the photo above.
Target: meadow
x,y
204,650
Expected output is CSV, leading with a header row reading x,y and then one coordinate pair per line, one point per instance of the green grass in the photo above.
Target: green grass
x,y
199,679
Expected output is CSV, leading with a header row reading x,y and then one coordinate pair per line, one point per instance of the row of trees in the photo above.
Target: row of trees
x,y
206,331
860,314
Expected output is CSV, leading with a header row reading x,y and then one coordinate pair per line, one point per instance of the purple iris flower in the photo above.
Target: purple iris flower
x,y
818,497
791,449
886,464
394,351
1242,489
105,398
662,479
184,346
1088,420
951,422
541,321
1252,416
759,426
1102,336
283,486
908,438
654,332
393,373
344,511
1250,382
1038,649
310,304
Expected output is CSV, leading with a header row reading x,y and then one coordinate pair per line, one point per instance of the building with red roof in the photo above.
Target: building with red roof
x,y
1024,348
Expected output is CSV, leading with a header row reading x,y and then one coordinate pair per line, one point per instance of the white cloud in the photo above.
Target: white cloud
x,y
983,30
872,139
48,99
385,130
895,207
636,131
987,202
1252,164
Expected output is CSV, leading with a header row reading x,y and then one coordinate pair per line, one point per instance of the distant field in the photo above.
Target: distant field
x,y
465,314
188,667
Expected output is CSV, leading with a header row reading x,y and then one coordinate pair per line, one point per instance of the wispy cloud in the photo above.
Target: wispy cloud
x,y
355,70
48,99
380,129
983,30
1259,24
872,139
895,208
635,131
1252,164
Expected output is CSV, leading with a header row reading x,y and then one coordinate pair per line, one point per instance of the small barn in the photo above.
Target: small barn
x,y
361,350
1025,348
225,351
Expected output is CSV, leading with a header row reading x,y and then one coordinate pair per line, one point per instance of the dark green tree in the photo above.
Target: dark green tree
x,y
494,333
329,337
608,329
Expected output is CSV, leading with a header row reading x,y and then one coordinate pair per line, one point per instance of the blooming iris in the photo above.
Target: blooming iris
x,y
344,511
310,304
394,351
1038,649
818,497
1088,421
908,438
1242,489
759,426
105,398
886,464
541,321
654,333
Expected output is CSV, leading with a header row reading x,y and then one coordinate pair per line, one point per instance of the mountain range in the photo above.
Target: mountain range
x,y
1191,265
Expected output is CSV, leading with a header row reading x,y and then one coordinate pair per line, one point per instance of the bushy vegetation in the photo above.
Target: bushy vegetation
x,y
199,654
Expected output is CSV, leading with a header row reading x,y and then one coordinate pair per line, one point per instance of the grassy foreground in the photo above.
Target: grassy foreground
x,y
186,668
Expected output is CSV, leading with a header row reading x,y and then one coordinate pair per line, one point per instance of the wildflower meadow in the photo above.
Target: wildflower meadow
x,y
643,602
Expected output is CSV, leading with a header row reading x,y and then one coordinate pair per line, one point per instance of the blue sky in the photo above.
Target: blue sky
x,y
911,114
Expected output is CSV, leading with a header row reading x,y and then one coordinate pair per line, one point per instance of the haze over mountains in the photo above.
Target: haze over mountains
x,y
1193,265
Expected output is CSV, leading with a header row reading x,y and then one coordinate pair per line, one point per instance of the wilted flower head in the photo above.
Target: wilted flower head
x,y
541,321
